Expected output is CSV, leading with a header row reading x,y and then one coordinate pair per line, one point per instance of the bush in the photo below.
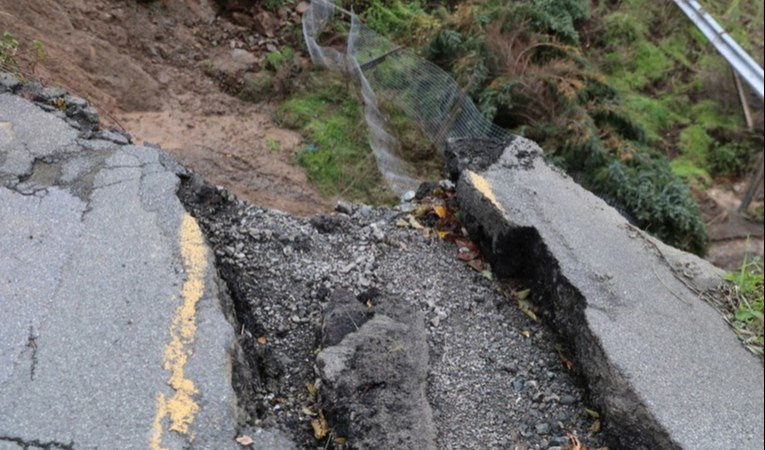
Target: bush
x,y
519,62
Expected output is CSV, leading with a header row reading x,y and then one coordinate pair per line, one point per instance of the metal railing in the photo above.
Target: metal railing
x,y
743,64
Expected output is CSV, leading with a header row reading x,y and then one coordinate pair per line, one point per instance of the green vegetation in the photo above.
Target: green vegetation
x,y
9,48
611,90
626,96
337,159
747,316
13,53
524,62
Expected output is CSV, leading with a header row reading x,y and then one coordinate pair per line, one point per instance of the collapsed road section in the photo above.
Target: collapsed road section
x,y
128,322
659,360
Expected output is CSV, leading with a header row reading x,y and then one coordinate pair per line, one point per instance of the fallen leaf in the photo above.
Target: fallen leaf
x,y
262,340
414,223
527,308
575,444
422,210
526,334
308,411
245,441
523,295
311,388
476,264
595,427
466,254
592,413
567,362
340,440
440,211
442,234
401,223
320,427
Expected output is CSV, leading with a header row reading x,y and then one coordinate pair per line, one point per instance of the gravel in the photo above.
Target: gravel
x,y
495,379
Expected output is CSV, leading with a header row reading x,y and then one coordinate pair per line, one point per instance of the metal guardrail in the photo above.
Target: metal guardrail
x,y
743,64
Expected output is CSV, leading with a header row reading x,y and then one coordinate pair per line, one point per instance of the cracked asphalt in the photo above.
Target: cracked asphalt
x,y
112,322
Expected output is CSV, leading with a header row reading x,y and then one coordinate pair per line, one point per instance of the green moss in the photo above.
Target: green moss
x,y
257,87
691,173
337,158
694,144
709,115
278,58
654,114
622,28
299,111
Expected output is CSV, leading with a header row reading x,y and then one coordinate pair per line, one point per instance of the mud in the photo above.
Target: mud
x,y
160,70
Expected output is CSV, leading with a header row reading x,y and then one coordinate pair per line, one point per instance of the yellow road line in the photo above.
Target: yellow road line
x,y
483,186
180,408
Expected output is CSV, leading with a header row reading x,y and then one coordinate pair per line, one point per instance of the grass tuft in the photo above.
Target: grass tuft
x,y
747,317
337,158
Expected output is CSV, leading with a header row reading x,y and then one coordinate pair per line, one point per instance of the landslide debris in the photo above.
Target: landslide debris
x,y
359,328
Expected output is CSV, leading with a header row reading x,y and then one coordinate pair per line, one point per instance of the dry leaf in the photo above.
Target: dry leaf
x,y
523,295
442,234
526,334
592,413
311,388
308,411
414,223
320,427
262,340
466,254
340,440
575,444
476,264
595,427
245,441
527,308
440,211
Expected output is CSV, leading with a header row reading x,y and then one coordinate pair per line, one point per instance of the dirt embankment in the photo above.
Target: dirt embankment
x,y
155,69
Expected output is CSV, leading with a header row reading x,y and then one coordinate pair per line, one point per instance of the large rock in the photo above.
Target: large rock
x,y
374,378
661,363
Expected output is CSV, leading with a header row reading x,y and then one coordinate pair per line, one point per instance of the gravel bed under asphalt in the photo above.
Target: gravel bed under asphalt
x,y
496,379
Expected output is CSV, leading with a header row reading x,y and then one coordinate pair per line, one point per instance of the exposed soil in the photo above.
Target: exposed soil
x,y
159,70
732,236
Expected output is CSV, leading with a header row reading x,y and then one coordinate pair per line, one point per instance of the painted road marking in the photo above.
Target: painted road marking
x,y
181,407
483,186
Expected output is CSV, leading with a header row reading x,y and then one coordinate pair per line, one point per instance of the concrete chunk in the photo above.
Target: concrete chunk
x,y
660,362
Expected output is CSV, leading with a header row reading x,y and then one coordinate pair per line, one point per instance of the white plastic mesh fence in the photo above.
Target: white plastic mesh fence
x,y
424,92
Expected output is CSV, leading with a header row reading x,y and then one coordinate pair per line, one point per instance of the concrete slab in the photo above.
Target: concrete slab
x,y
660,362
112,330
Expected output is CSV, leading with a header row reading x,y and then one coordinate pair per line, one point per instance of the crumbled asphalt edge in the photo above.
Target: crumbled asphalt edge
x,y
562,307
488,385
72,109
